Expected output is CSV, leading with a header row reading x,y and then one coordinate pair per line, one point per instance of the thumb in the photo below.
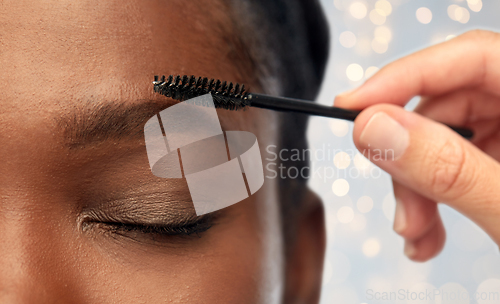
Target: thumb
x,y
432,160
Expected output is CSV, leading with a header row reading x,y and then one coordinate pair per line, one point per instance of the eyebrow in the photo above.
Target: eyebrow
x,y
96,122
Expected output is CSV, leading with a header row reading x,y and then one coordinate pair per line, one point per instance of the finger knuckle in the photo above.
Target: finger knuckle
x,y
447,174
480,35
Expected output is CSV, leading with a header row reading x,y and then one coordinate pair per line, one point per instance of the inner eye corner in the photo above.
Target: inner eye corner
x,y
85,221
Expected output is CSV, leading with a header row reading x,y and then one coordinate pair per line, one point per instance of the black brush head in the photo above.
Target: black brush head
x,y
225,95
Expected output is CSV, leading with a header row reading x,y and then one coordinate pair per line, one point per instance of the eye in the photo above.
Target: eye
x,y
196,227
172,232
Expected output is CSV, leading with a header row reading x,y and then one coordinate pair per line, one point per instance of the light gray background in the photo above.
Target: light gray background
x,y
363,251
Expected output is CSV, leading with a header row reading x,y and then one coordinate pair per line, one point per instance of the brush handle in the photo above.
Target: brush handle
x,y
308,107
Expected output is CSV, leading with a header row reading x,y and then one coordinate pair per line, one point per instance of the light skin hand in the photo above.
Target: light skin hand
x,y
459,84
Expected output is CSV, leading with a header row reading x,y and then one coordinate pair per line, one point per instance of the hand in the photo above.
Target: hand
x,y
459,82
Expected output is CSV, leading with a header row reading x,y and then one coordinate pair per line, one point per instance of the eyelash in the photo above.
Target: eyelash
x,y
188,229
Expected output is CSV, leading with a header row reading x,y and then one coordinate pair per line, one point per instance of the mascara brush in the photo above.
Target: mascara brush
x,y
234,97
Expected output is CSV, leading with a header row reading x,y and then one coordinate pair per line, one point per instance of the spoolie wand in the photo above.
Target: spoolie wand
x,y
234,97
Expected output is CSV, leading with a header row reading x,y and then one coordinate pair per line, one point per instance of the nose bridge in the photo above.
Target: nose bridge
x,y
34,259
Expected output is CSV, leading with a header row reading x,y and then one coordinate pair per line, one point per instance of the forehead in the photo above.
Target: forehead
x,y
55,53
57,56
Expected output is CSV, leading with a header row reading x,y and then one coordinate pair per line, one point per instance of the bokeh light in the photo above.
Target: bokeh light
x,y
370,71
358,222
345,214
377,17
362,163
449,37
489,287
384,6
363,46
354,72
340,187
451,11
339,4
380,45
371,247
383,32
422,288
475,5
462,15
424,15
347,39
341,160
358,10
339,127
364,204
458,13
453,293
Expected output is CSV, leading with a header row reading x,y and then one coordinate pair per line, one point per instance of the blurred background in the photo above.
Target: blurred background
x,y
364,255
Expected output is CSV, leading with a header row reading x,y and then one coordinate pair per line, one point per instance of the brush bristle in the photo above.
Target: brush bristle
x,y
226,96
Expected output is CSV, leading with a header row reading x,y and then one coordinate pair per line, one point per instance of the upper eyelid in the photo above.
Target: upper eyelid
x,y
144,209
95,215
161,195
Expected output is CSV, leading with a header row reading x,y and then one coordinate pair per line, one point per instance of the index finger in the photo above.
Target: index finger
x,y
470,60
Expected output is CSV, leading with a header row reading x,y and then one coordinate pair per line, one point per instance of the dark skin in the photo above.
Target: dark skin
x,y
76,208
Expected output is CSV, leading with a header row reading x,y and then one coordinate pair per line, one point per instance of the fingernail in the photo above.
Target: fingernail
x,y
348,92
410,249
342,96
400,217
386,135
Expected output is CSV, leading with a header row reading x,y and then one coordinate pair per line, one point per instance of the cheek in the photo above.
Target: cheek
x,y
238,261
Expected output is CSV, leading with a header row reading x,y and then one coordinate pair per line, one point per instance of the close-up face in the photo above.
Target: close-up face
x,y
82,218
